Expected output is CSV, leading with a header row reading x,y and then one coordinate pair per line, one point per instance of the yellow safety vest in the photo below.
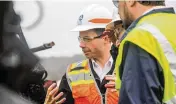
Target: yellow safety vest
x,y
158,38
84,88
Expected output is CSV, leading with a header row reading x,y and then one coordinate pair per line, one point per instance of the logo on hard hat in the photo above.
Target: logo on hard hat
x,y
80,20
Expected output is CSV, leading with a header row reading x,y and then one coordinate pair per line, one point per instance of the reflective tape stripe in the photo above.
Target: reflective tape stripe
x,y
95,82
80,76
100,20
165,45
77,76
172,101
76,72
81,82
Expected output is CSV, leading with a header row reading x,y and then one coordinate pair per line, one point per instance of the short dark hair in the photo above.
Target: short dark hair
x,y
99,31
152,3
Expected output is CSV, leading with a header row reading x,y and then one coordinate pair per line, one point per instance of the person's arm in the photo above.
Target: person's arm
x,y
64,87
142,77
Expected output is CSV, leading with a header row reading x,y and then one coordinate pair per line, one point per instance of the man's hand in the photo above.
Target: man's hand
x,y
111,83
51,97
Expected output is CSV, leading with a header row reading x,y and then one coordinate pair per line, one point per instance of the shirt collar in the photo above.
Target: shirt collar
x,y
109,62
156,7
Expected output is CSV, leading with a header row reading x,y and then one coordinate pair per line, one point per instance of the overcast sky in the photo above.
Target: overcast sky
x,y
60,16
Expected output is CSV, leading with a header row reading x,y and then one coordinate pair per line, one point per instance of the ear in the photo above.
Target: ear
x,y
106,38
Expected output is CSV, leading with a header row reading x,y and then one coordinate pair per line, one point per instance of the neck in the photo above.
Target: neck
x,y
141,11
102,59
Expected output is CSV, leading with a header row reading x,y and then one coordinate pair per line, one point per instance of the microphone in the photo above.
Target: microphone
x,y
43,47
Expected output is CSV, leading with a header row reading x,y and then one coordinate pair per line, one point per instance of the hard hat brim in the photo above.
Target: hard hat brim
x,y
88,27
114,20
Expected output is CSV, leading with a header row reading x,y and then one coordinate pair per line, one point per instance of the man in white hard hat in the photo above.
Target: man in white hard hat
x,y
84,81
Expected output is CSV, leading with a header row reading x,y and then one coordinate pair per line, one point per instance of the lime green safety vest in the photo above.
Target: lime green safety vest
x,y
158,38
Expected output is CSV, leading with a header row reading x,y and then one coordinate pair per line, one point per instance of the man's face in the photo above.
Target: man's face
x,y
90,45
124,13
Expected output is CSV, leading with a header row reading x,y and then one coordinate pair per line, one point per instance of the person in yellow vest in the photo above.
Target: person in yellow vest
x,y
146,61
84,81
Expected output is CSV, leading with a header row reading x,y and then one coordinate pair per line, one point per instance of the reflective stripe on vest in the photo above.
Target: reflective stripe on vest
x,y
79,77
171,101
83,63
167,49
165,45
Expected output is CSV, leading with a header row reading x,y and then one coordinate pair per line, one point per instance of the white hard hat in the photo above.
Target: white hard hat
x,y
94,16
170,3
115,16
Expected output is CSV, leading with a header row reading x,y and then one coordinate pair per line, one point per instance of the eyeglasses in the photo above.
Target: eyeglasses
x,y
115,2
87,38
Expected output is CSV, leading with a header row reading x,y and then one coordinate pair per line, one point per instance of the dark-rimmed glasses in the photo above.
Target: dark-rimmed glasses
x,y
88,38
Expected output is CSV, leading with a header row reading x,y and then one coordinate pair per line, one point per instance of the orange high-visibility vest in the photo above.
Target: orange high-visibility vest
x,y
84,87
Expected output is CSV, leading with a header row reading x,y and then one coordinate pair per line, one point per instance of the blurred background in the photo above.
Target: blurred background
x,y
51,20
